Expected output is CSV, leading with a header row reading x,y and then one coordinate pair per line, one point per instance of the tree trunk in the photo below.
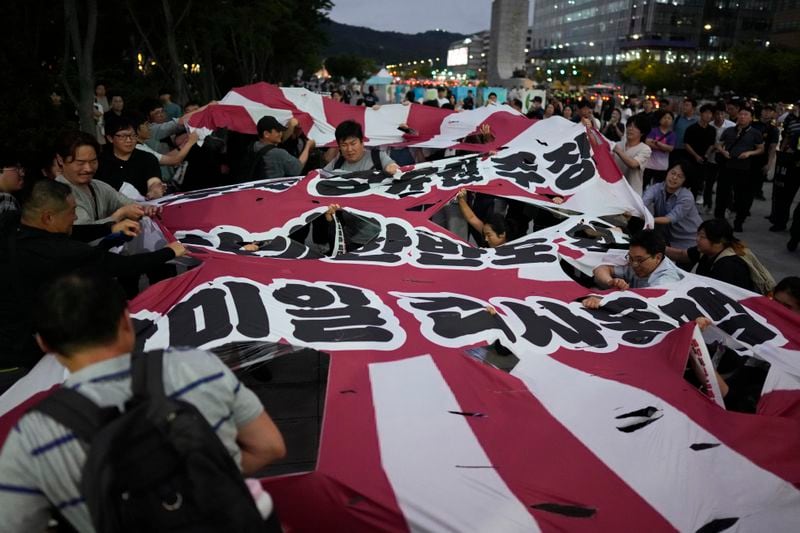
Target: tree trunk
x,y
83,51
180,89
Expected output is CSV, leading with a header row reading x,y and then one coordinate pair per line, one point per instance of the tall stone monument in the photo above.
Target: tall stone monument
x,y
507,41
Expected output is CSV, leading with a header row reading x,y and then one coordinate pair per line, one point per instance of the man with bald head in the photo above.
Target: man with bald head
x,y
42,250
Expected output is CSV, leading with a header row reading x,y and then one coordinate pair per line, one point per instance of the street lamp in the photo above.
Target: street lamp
x,y
707,27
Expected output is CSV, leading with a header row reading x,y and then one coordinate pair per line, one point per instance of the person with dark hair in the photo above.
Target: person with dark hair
x,y
191,106
567,112
42,250
83,319
171,109
115,112
354,156
649,112
469,101
661,140
491,100
536,112
686,118
738,145
674,208
718,254
787,293
714,158
122,163
632,108
631,154
370,99
172,158
647,265
162,128
761,163
441,96
275,162
614,128
97,202
699,139
496,231
586,115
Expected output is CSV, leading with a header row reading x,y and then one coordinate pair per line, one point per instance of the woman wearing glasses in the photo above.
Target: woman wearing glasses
x,y
647,266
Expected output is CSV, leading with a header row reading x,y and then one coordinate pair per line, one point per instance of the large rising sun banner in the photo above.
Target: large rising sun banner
x,y
467,388
592,427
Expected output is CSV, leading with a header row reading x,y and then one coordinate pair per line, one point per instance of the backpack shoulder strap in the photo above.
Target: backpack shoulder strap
x,y
727,252
147,375
257,159
77,412
376,160
339,162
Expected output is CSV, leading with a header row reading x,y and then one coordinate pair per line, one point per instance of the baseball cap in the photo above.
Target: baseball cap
x,y
269,123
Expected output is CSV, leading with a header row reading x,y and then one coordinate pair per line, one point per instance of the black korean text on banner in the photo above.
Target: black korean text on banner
x,y
320,315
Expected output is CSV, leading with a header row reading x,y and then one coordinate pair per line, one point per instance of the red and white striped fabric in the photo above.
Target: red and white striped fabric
x,y
593,429
242,108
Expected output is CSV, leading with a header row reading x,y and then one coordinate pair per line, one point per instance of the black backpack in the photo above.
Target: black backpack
x,y
376,161
156,467
253,164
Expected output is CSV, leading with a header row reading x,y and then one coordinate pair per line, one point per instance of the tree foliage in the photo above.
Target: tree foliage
x,y
197,48
771,74
349,66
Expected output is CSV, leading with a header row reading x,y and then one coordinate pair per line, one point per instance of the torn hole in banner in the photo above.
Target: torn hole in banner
x,y
495,355
515,217
344,233
291,383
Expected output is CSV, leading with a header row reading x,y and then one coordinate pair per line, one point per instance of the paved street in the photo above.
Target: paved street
x,y
768,246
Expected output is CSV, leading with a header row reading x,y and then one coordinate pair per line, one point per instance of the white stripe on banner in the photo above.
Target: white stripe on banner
x,y
381,125
651,450
311,103
256,110
459,125
424,450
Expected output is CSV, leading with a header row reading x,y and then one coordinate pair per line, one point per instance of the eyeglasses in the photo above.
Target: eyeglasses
x,y
126,136
636,261
16,168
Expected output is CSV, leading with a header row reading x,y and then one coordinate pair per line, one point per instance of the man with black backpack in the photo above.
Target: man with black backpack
x,y
268,160
354,156
132,442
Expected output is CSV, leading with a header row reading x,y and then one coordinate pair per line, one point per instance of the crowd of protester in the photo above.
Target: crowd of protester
x,y
59,223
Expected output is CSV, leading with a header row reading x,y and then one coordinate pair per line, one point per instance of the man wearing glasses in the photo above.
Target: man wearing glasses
x,y
124,164
647,266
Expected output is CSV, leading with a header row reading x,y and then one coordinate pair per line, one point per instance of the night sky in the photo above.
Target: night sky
x,y
413,16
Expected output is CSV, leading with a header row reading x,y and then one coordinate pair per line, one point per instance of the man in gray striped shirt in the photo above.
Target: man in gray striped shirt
x,y
85,322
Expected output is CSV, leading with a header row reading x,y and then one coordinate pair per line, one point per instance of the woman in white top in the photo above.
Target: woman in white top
x,y
631,153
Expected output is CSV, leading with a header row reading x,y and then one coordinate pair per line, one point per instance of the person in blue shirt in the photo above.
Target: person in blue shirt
x,y
647,266
674,208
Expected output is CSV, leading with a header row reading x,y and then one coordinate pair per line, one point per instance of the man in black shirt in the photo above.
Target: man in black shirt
x,y
42,250
771,136
699,137
121,162
469,102
737,146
